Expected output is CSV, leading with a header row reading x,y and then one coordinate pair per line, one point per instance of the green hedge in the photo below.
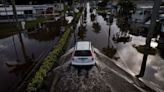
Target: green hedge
x,y
33,23
50,61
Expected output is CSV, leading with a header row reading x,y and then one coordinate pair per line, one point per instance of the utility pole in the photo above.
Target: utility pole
x,y
60,4
15,14
154,16
18,25
16,18
4,5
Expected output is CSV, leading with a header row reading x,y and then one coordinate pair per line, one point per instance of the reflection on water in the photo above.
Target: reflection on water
x,y
18,54
123,24
82,26
161,51
19,67
161,47
96,27
110,51
128,56
46,34
7,29
81,32
42,36
132,59
93,16
97,31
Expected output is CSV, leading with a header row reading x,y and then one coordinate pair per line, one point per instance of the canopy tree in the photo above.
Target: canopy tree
x,y
126,6
103,3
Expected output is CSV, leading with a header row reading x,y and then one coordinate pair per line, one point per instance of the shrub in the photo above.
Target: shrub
x,y
141,49
49,61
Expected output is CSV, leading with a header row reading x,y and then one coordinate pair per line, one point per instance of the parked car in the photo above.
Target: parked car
x,y
83,54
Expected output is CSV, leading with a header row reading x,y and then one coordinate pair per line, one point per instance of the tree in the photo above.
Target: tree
x,y
103,3
126,7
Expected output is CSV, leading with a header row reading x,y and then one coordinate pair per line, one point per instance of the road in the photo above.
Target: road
x,y
105,77
110,75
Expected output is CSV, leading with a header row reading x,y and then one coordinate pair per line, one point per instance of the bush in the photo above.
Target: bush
x,y
141,49
110,52
49,61
33,23
96,27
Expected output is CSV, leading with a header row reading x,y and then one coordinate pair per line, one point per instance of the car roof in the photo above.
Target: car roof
x,y
83,45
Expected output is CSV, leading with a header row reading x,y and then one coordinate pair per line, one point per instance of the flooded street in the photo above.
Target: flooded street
x,y
18,57
117,61
105,77
99,39
128,58
132,59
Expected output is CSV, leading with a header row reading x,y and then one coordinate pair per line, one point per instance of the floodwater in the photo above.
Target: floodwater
x,y
99,38
106,76
17,56
128,58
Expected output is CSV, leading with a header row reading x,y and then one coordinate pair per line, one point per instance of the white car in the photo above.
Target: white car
x,y
83,54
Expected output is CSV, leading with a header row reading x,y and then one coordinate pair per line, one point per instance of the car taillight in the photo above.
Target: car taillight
x,y
90,53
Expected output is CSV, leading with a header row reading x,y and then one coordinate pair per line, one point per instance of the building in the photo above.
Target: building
x,y
142,14
28,12
23,12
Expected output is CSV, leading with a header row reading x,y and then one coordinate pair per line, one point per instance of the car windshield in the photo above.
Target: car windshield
x,y
83,53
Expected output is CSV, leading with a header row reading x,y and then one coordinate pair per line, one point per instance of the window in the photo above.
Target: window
x,y
28,12
83,53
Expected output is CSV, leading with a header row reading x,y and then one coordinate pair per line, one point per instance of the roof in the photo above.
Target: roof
x,y
83,45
